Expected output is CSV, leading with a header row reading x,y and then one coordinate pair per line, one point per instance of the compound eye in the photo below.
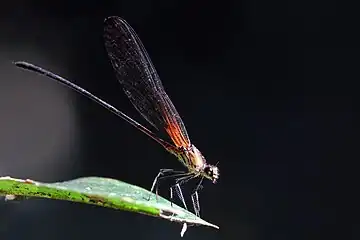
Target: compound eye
x,y
209,171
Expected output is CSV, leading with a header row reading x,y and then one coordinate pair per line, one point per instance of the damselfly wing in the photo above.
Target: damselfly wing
x,y
141,83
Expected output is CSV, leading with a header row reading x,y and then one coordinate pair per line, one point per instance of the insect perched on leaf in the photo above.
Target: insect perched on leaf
x,y
140,82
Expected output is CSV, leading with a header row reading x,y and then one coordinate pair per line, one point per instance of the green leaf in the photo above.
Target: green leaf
x,y
103,192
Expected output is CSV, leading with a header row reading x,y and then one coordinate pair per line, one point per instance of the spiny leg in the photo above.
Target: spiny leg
x,y
160,175
170,173
161,172
178,190
195,202
178,193
195,198
170,176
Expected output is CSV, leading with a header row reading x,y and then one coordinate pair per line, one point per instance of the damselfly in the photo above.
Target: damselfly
x,y
141,83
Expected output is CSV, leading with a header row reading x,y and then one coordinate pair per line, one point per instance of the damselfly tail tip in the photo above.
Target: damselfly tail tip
x,y
17,63
109,18
22,64
114,18
26,65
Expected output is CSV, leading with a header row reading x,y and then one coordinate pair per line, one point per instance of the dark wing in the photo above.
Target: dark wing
x,y
140,81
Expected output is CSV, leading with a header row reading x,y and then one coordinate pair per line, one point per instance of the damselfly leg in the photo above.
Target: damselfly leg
x,y
165,173
180,181
178,193
181,177
195,198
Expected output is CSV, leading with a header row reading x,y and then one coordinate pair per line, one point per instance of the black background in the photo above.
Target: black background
x,y
266,88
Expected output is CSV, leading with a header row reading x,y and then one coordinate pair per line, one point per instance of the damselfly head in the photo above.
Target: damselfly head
x,y
211,172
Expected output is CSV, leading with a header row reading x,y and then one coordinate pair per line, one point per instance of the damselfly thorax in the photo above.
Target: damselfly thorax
x,y
195,162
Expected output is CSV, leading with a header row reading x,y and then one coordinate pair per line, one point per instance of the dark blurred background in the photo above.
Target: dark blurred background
x,y
266,88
